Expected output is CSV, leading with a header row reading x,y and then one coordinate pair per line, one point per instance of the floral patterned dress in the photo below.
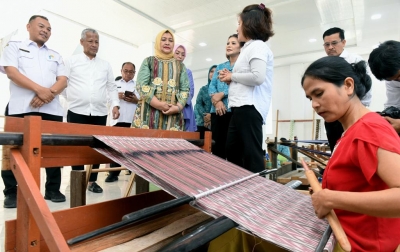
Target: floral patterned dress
x,y
167,80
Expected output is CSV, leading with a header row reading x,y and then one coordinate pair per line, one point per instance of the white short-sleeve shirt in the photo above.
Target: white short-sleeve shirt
x,y
241,94
42,65
126,109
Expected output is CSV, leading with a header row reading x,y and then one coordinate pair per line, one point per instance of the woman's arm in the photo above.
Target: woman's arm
x,y
385,203
256,76
144,86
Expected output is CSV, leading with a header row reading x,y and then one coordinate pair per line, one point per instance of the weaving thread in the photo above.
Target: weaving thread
x,y
255,204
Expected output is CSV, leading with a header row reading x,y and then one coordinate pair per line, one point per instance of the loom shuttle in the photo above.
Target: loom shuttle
x,y
331,217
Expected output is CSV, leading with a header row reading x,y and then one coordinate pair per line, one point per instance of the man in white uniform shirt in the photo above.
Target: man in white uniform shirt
x,y
334,45
128,98
89,80
37,77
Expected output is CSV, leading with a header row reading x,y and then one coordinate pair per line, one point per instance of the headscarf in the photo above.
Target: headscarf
x,y
184,49
157,49
208,75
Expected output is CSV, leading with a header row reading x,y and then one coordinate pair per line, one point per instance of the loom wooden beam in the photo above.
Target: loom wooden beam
x,y
80,220
32,212
35,212
305,120
35,228
78,188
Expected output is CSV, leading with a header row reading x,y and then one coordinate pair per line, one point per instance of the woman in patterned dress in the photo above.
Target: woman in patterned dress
x,y
163,86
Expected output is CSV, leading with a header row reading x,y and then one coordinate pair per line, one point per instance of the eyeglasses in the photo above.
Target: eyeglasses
x,y
333,43
129,72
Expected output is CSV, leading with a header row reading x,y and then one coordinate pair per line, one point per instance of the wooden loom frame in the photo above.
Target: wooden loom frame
x,y
38,229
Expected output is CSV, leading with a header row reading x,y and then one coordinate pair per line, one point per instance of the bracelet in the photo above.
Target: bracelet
x,y
179,108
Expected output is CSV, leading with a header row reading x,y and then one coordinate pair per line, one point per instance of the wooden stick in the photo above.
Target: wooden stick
x,y
276,127
331,217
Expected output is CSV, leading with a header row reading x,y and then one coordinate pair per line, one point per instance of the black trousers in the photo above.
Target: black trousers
x,y
53,174
244,141
112,165
84,119
334,131
202,129
219,129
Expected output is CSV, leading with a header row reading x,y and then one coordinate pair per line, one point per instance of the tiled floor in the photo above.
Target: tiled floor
x,y
110,191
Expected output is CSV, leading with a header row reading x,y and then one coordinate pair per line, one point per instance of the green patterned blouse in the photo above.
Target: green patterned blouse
x,y
168,81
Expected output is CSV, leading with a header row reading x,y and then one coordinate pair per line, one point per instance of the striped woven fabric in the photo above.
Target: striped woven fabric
x,y
265,208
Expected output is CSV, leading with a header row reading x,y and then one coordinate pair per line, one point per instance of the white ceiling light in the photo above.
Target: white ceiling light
x,y
208,59
376,16
202,44
312,40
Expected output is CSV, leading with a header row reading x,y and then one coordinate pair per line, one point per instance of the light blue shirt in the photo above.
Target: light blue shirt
x,y
217,86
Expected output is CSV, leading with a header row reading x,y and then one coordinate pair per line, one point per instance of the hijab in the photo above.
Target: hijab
x,y
208,76
157,48
184,49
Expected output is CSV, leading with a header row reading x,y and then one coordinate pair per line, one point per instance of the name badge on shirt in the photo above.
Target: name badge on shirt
x,y
24,50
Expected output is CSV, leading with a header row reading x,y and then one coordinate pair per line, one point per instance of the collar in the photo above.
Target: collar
x,y
122,80
85,57
344,54
247,44
29,42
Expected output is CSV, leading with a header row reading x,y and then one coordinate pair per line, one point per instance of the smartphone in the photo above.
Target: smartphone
x,y
129,93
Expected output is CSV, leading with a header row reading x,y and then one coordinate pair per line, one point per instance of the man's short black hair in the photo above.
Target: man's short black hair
x,y
37,16
332,31
384,61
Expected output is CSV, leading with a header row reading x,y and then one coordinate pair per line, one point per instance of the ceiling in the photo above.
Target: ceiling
x,y
137,22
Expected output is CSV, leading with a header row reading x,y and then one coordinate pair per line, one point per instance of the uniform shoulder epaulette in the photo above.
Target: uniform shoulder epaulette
x,y
12,42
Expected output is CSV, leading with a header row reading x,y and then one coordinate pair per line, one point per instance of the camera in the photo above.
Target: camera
x,y
391,111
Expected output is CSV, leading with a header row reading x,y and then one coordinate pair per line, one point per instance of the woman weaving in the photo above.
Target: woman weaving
x,y
163,86
362,179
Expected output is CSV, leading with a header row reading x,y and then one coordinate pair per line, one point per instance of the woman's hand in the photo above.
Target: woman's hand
x,y
225,76
217,97
207,120
173,109
320,202
220,108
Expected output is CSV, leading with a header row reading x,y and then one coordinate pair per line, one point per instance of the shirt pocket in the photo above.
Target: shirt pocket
x,y
52,63
25,60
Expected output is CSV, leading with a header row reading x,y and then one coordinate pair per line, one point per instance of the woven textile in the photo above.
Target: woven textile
x,y
265,208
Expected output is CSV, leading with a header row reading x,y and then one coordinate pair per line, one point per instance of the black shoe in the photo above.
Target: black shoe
x,y
54,196
111,178
94,187
10,200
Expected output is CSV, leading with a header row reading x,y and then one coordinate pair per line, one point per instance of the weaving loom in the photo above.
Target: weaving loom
x,y
38,229
183,169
